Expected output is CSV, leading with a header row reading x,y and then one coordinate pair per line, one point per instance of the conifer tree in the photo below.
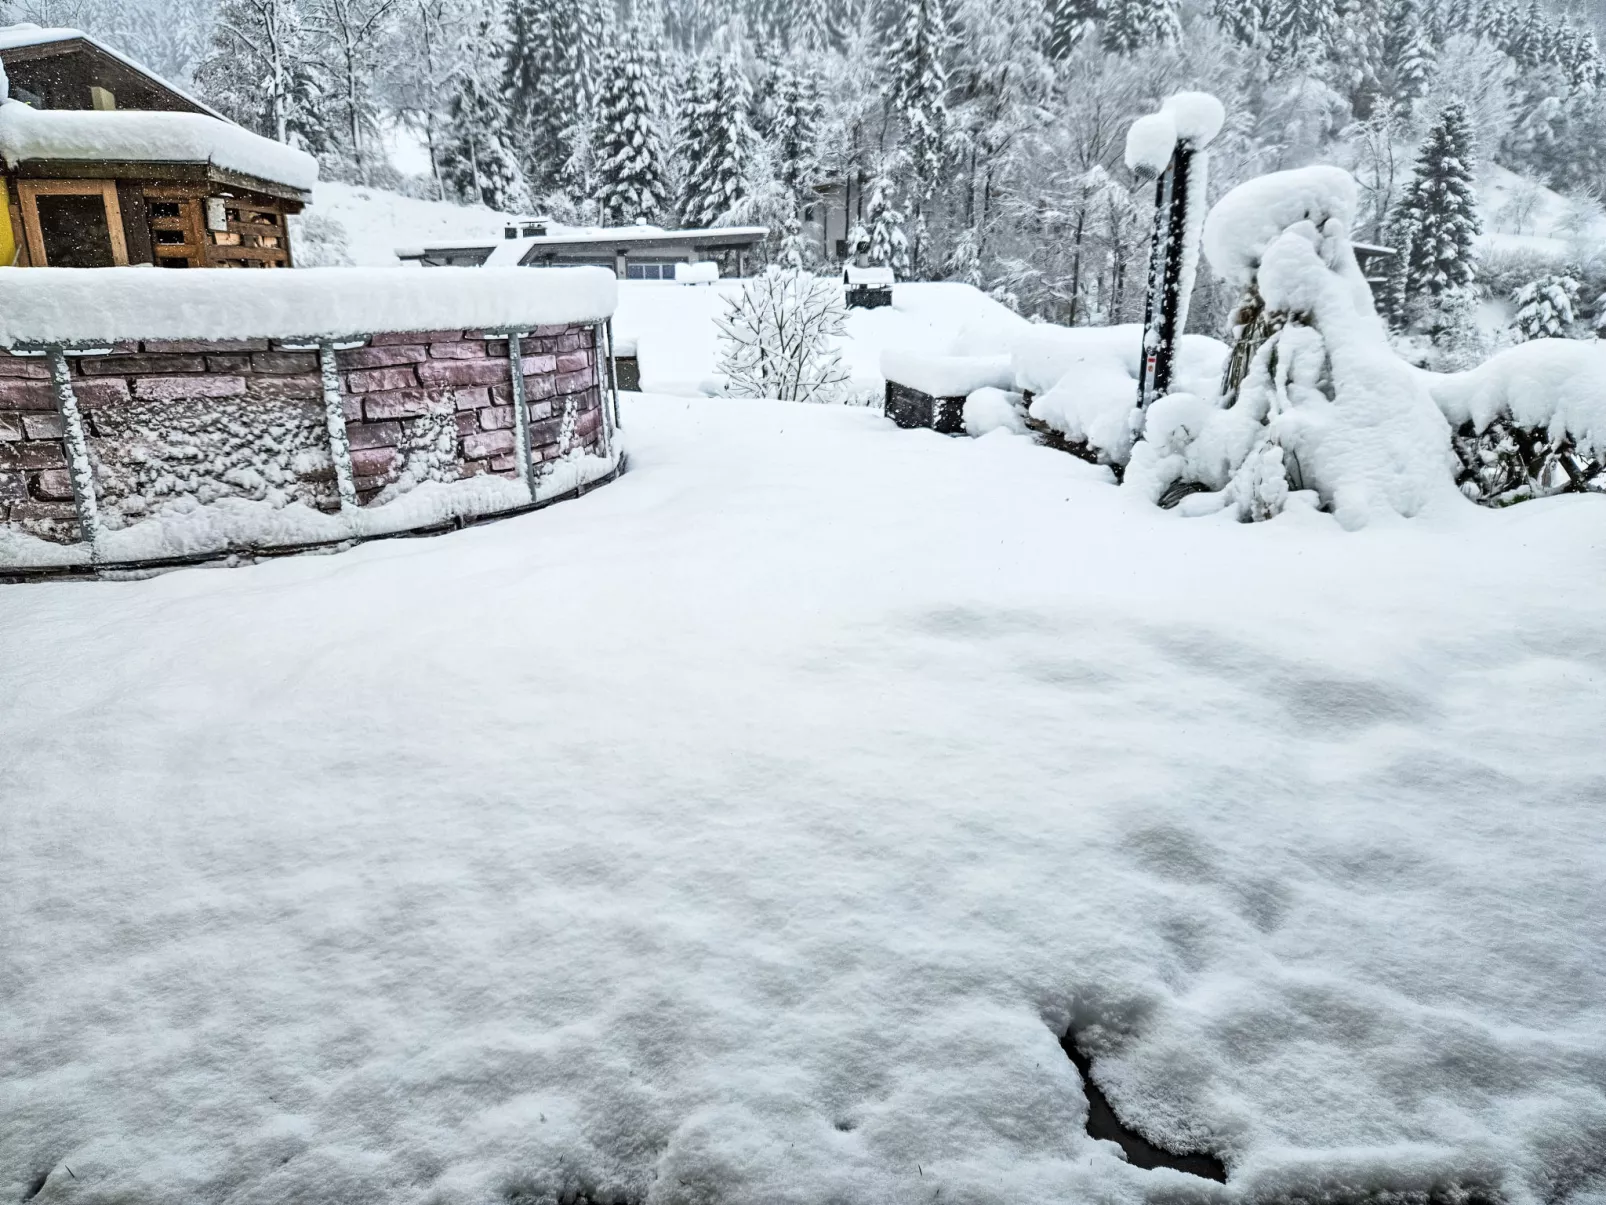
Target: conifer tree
x,y
795,127
257,65
1545,308
889,245
1132,24
918,86
478,161
1440,207
1070,22
543,83
714,142
1407,50
629,155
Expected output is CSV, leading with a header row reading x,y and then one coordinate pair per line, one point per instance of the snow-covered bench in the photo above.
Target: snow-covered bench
x,y
930,391
150,416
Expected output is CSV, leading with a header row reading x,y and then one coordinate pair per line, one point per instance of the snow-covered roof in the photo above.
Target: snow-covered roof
x,y
123,136
512,250
74,305
15,37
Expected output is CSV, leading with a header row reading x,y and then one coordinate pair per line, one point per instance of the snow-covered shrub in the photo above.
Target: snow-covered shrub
x,y
1529,422
1545,308
1320,404
777,338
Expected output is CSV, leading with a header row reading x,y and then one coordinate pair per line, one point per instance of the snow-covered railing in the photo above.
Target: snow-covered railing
x,y
149,417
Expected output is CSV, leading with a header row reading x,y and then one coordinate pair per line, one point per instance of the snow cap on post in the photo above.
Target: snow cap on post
x,y
1150,143
1244,222
1197,116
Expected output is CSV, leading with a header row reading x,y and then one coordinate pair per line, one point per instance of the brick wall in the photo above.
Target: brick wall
x,y
179,423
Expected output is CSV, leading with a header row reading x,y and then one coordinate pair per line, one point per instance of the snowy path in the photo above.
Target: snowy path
x,y
747,830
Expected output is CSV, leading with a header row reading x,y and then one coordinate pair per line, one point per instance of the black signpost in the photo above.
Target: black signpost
x,y
1162,306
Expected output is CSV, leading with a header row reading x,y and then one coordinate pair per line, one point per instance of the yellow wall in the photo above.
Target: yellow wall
x,y
8,240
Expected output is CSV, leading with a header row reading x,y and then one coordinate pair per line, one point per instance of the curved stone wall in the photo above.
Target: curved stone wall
x,y
161,451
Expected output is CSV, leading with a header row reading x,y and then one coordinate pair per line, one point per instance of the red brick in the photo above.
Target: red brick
x,y
351,406
501,464
382,357
204,345
399,403
286,363
285,388
463,349
118,366
472,398
25,368
13,488
473,468
586,423
467,422
535,366
547,331
240,363
373,435
374,379
539,410
43,454
545,431
496,418
23,511
395,337
26,395
42,426
10,428
106,392
487,443
574,382
462,372
374,462
573,341
166,389
573,361
53,485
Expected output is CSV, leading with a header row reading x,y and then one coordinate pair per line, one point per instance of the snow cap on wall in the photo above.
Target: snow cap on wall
x,y
1149,144
1191,118
1197,116
95,305
1248,218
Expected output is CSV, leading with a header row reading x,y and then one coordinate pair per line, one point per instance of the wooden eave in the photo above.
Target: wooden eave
x,y
113,69
181,173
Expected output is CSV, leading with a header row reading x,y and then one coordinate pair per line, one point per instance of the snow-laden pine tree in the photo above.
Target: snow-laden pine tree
x,y
628,160
794,130
917,86
542,84
715,142
1545,308
478,160
1070,22
1440,207
350,35
889,244
1129,25
1408,50
777,338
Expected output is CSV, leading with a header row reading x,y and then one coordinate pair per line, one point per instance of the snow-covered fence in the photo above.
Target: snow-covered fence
x,y
196,424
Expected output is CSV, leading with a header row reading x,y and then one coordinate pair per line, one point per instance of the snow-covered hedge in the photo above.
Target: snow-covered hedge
x,y
69,305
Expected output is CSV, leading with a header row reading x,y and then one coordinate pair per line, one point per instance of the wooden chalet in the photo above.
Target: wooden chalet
x,y
102,163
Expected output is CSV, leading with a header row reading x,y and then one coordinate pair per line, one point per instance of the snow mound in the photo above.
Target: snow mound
x,y
1249,217
989,409
1553,385
92,135
1196,116
946,376
1150,142
75,305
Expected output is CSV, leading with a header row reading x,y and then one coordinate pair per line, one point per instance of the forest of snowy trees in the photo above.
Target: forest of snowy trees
x,y
982,138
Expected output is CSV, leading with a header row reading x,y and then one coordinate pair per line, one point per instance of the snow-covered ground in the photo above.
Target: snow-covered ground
x,y
376,222
747,831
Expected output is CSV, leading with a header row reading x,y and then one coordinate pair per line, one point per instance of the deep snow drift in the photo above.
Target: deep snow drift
x,y
746,832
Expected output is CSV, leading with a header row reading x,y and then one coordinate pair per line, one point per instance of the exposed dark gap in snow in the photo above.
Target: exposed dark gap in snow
x,y
36,1186
1102,1122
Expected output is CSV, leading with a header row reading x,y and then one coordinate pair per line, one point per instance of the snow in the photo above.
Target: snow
x,y
990,409
67,305
854,275
747,830
126,136
704,272
946,376
1552,385
376,221
1197,117
1150,143
1243,222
